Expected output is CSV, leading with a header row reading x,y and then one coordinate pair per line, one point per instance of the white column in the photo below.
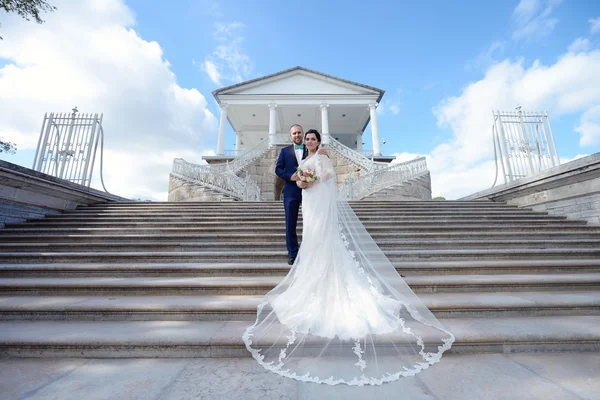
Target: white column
x,y
238,143
374,129
222,126
359,143
272,123
325,123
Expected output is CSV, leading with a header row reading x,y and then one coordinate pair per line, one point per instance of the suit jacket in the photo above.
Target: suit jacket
x,y
285,168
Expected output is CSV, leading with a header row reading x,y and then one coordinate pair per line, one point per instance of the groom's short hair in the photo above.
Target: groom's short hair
x,y
299,126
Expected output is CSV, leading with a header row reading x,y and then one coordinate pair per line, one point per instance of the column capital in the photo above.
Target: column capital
x,y
324,106
372,106
272,105
224,106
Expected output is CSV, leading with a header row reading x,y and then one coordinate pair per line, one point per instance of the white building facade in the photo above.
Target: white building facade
x,y
263,108
261,112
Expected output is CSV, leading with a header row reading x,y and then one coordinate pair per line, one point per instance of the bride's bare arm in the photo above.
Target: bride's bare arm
x,y
325,169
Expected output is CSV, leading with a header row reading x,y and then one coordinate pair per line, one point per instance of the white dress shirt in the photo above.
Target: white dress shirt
x,y
299,153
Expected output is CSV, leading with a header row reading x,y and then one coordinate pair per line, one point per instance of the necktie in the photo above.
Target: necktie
x,y
298,146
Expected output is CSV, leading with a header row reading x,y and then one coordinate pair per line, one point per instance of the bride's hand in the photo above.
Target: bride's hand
x,y
301,184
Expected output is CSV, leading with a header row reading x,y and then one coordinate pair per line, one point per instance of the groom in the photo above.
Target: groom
x,y
287,163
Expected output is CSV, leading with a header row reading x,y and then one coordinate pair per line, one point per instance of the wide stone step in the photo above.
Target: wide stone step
x,y
199,269
169,339
278,219
274,225
470,228
251,285
263,243
274,204
243,307
517,236
273,255
280,211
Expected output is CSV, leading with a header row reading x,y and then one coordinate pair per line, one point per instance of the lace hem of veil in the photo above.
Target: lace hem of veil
x,y
429,358
377,329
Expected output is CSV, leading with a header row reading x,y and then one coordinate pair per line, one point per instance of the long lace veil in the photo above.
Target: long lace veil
x,y
343,314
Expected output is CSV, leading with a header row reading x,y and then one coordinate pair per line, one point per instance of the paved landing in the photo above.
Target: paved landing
x,y
545,376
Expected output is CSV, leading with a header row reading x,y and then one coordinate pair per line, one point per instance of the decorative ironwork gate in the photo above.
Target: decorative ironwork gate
x,y
523,143
67,146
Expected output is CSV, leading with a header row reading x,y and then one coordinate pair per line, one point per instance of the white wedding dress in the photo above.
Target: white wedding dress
x,y
342,314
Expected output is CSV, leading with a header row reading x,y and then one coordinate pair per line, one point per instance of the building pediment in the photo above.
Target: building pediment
x,y
299,81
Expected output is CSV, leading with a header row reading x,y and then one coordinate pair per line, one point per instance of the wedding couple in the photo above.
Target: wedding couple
x,y
342,314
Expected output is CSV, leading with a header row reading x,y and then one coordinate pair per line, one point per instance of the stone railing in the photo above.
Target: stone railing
x,y
242,161
245,158
571,190
356,158
222,181
355,189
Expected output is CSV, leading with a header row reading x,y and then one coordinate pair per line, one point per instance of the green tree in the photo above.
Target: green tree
x,y
28,9
439,198
7,147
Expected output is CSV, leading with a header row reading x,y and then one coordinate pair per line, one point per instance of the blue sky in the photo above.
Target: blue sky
x,y
444,66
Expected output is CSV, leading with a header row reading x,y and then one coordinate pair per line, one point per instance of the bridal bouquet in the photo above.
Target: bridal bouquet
x,y
307,175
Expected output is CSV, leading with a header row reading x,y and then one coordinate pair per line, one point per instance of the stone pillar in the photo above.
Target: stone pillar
x,y
374,129
359,143
272,124
325,123
222,126
238,143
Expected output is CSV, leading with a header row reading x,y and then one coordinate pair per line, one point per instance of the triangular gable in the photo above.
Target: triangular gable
x,y
296,81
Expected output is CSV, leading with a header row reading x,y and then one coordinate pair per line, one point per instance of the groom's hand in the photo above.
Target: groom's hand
x,y
323,152
294,177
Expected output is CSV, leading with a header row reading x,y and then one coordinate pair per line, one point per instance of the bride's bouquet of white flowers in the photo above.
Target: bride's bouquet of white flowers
x,y
307,175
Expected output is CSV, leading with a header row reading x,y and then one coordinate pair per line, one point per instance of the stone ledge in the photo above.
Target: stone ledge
x,y
25,192
571,190
580,170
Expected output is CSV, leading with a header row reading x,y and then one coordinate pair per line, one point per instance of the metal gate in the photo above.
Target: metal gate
x,y
523,143
68,144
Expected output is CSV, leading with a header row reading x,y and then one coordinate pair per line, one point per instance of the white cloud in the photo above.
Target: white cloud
x,y
228,61
589,127
462,165
87,54
532,18
213,72
579,44
392,104
594,25
405,156
487,57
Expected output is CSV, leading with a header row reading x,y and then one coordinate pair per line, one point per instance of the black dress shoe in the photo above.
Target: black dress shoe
x,y
291,261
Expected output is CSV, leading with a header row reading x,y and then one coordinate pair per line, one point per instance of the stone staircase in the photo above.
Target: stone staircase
x,y
181,190
415,189
184,279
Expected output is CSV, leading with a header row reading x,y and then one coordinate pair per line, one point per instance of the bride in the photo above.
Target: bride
x,y
342,314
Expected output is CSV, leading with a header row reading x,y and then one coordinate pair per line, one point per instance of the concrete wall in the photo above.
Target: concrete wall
x,y
571,189
26,194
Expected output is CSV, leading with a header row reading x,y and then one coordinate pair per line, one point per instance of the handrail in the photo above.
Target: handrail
x,y
224,182
355,189
365,163
243,160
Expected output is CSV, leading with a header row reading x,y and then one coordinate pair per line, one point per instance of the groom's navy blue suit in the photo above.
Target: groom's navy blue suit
x,y
292,195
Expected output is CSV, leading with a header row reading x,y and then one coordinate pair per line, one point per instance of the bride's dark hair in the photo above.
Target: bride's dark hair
x,y
314,132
